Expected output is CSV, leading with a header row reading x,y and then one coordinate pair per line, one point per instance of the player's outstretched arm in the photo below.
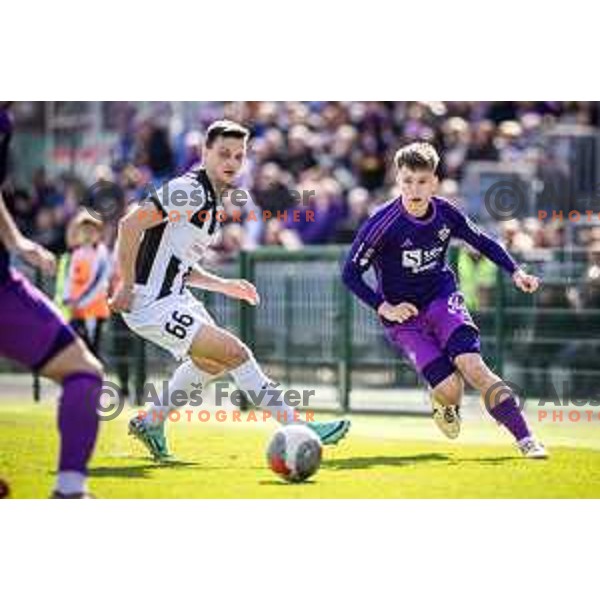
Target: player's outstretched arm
x,y
234,288
469,232
129,236
490,248
15,241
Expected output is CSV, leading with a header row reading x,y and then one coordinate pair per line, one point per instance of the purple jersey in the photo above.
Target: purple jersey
x,y
409,254
5,135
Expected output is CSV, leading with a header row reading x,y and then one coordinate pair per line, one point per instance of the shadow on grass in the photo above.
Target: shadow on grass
x,y
137,471
366,462
279,482
491,460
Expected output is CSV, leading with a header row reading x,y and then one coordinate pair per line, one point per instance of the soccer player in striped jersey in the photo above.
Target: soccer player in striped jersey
x,y
34,334
417,300
158,253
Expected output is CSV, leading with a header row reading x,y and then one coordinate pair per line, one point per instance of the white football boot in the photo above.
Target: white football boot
x,y
447,418
531,448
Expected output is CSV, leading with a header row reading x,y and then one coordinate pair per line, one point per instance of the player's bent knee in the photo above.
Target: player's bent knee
x,y
473,368
469,363
437,371
220,346
75,358
232,353
239,354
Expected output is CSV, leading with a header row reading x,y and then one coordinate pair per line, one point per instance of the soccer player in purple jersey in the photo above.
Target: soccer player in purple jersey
x,y
33,333
417,299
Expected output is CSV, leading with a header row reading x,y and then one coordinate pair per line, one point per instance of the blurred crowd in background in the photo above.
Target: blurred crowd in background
x,y
339,151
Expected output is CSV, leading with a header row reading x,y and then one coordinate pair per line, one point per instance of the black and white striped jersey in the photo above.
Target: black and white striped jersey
x,y
170,249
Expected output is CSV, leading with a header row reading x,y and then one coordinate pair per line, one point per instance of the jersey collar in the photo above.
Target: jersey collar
x,y
414,219
207,185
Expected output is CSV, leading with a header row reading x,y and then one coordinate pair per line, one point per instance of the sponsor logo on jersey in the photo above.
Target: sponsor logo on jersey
x,y
419,260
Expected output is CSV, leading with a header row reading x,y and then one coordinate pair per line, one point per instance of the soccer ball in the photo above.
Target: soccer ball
x,y
294,453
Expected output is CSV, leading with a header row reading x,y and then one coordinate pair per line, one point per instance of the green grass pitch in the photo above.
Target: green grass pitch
x,y
383,457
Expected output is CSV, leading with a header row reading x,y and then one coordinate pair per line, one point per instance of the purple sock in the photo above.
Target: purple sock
x,y
78,420
507,413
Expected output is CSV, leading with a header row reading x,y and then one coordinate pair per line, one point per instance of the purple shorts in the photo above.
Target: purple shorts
x,y
436,336
32,331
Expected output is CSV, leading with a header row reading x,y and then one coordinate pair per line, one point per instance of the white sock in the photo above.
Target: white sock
x,y
71,482
249,377
186,375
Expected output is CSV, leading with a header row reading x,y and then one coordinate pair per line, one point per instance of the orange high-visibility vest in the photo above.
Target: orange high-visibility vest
x,y
88,280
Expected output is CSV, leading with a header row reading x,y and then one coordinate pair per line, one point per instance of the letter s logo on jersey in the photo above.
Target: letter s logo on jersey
x,y
419,260
411,259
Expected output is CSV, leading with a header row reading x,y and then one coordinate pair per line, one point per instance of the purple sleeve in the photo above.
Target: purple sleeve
x,y
358,262
466,230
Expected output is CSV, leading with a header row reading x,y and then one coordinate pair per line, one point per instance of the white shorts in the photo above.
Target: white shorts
x,y
171,322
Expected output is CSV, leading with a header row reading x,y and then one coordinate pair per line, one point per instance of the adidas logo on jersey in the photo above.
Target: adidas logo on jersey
x,y
407,243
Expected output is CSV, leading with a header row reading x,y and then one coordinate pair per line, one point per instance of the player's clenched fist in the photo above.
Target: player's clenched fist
x,y
526,283
397,313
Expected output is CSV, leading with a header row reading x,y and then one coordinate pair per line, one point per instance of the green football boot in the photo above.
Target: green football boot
x,y
152,437
330,432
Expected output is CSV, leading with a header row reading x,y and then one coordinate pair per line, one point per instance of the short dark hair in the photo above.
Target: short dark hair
x,y
417,156
227,129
